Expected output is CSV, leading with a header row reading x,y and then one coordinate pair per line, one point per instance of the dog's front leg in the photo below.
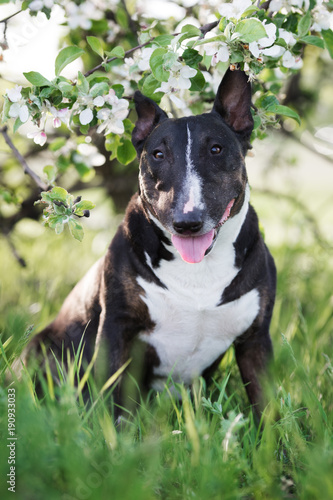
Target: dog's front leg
x,y
113,352
253,354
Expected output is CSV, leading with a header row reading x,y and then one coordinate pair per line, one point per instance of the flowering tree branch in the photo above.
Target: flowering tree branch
x,y
27,170
178,67
111,59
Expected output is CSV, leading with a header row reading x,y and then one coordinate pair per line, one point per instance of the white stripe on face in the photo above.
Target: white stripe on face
x,y
192,191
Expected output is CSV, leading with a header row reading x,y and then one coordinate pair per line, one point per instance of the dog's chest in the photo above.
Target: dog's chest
x,y
191,329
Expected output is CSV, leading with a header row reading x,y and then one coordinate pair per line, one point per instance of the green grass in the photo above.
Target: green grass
x,y
207,447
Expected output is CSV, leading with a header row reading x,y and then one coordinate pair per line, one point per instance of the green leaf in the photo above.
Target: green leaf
x,y
304,24
281,42
126,152
279,109
267,101
119,90
118,52
83,205
76,229
313,40
163,40
111,144
66,56
99,88
250,10
198,82
59,193
122,18
217,38
5,110
250,30
96,45
149,87
189,31
82,83
17,125
50,171
59,228
169,60
191,57
156,64
65,87
236,56
57,144
37,79
328,39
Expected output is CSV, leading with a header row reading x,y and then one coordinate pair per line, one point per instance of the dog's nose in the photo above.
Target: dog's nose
x,y
187,226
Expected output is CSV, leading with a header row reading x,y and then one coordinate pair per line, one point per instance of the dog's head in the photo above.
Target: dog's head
x,y
192,170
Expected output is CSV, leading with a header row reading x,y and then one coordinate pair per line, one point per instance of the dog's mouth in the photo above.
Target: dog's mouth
x,y
193,249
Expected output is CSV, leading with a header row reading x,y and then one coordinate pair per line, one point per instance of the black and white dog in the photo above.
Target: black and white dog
x,y
187,274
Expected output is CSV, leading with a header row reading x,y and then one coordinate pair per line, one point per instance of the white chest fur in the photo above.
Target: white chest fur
x,y
191,330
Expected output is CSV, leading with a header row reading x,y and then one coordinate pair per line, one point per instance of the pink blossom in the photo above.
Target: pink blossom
x,y
39,137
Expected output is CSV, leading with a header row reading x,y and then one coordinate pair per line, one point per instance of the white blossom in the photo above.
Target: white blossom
x,y
290,61
235,9
112,119
218,50
323,19
258,48
86,116
287,5
59,115
80,16
89,155
18,109
179,78
14,94
287,36
146,53
41,4
99,101
39,137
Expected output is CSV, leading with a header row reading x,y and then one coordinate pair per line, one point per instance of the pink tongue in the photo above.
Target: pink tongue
x,y
192,248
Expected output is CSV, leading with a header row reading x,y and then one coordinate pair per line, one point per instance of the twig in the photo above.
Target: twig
x,y
19,259
25,166
127,53
4,43
208,27
204,29
6,19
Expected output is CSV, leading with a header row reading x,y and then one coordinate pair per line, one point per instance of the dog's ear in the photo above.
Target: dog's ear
x,y
233,102
149,115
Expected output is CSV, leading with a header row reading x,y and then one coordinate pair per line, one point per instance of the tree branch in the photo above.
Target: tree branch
x,y
208,27
27,170
6,19
204,29
127,53
18,257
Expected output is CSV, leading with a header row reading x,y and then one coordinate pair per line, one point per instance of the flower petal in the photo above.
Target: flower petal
x,y
14,110
24,113
86,116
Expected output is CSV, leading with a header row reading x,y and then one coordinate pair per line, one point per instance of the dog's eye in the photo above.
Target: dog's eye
x,y
216,149
158,155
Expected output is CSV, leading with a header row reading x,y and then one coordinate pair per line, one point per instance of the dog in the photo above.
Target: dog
x,y
187,273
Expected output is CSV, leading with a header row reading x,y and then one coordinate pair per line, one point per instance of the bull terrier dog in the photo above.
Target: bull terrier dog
x,y
187,274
